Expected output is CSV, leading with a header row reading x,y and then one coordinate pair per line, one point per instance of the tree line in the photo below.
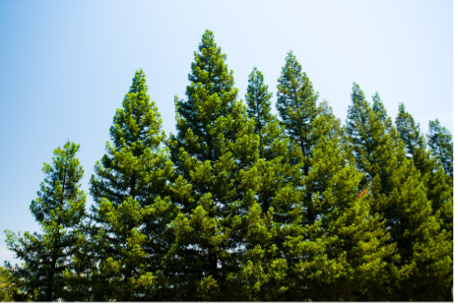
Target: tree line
x,y
244,205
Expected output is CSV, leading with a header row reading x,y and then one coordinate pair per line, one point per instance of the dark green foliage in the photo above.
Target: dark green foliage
x,y
455,212
79,279
357,127
440,142
276,153
211,95
213,151
379,109
401,197
263,275
240,206
60,208
296,104
258,102
439,187
344,249
131,210
414,142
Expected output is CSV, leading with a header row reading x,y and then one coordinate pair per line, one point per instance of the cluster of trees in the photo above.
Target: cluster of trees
x,y
242,205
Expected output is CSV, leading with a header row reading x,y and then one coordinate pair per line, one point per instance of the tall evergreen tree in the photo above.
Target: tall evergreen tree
x,y
401,197
276,152
440,189
440,142
344,249
60,208
414,142
357,127
379,108
262,275
296,104
132,207
258,102
215,152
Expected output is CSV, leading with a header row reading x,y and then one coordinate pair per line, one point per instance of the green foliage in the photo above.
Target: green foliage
x,y
296,104
78,278
440,190
60,208
440,142
455,211
10,285
379,109
362,141
344,248
263,266
215,152
414,142
243,206
401,197
130,188
258,102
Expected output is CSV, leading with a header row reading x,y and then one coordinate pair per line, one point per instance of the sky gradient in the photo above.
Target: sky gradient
x,y
65,67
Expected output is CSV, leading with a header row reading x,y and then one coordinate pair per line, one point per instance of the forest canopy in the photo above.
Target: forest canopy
x,y
244,205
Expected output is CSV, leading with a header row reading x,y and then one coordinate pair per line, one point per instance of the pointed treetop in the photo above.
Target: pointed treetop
x,y
440,142
357,94
208,41
358,117
209,68
292,63
296,105
292,73
409,132
60,192
139,83
258,99
378,108
139,120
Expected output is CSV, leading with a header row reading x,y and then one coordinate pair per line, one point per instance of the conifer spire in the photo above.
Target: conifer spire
x,y
440,142
399,195
296,104
129,189
215,152
258,102
60,209
341,236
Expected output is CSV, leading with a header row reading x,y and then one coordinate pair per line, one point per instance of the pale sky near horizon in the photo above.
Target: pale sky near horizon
x,y
65,67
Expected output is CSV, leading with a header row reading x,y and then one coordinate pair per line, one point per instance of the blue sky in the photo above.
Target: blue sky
x,y
65,67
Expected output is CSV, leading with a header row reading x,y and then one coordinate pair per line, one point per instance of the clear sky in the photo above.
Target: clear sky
x,y
65,67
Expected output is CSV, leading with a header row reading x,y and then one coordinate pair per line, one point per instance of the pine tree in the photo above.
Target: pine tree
x,y
440,142
132,207
361,139
296,104
455,215
258,107
262,275
275,166
401,197
343,254
79,279
379,109
60,208
414,142
215,152
11,285
440,189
